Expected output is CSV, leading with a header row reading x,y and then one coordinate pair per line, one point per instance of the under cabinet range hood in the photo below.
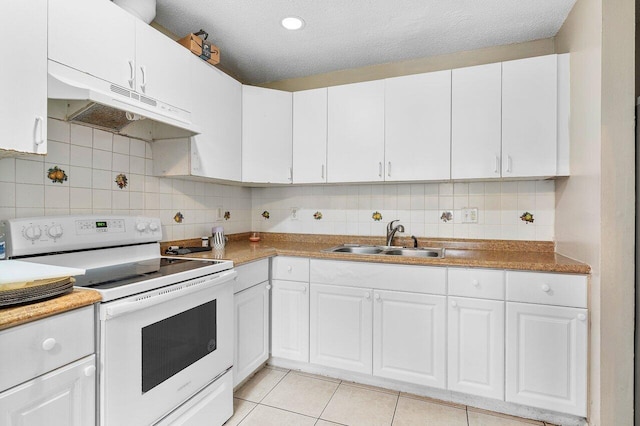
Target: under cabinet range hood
x,y
81,98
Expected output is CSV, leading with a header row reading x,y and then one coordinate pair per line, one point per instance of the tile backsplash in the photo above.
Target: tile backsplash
x,y
85,171
502,209
92,160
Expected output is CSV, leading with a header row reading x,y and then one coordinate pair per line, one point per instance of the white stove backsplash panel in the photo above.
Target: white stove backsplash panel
x,y
92,171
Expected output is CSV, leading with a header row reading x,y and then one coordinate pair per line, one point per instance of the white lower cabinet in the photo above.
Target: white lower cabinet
x,y
64,397
476,346
251,330
290,320
409,337
546,363
340,327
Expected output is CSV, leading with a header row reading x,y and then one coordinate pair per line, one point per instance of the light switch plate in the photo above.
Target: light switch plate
x,y
470,215
294,213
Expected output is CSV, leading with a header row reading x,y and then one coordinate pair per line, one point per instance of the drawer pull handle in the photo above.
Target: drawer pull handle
x,y
475,283
48,344
454,303
268,287
304,288
546,288
88,371
582,317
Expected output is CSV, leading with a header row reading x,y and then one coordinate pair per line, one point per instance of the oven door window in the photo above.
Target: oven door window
x,y
173,344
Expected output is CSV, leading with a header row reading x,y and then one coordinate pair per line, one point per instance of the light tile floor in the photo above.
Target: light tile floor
x,y
278,397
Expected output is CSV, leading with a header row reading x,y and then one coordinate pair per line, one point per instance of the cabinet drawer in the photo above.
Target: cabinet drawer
x,y
32,349
547,289
251,274
416,279
291,268
478,283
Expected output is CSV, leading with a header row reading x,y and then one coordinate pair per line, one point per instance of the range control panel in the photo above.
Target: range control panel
x,y
36,235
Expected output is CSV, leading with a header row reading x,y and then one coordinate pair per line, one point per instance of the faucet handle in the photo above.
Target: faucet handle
x,y
415,241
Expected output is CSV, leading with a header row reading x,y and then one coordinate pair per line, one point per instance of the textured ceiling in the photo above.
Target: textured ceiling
x,y
343,34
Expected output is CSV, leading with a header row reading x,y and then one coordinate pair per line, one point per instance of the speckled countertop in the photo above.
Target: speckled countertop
x,y
518,255
12,316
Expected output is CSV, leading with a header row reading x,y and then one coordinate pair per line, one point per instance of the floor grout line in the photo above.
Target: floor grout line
x,y
327,404
395,409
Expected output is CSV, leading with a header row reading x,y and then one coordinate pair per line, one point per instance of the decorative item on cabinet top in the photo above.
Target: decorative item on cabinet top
x,y
200,47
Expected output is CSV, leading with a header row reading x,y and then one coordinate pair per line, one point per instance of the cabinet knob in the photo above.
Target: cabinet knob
x,y
546,288
582,317
304,288
454,303
48,344
88,371
268,287
367,295
377,297
289,268
475,283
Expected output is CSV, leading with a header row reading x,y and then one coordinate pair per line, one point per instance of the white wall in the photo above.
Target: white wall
x,y
92,158
595,206
348,209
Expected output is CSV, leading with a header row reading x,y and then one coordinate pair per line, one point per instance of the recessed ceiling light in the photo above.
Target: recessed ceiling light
x,y
292,23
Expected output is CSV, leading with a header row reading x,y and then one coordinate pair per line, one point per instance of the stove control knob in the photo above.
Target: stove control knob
x,y
32,232
141,227
55,231
153,227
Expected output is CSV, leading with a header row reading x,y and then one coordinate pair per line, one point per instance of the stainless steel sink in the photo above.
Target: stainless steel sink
x,y
357,250
417,252
387,250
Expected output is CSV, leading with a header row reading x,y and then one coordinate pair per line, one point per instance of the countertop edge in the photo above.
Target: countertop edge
x,y
23,314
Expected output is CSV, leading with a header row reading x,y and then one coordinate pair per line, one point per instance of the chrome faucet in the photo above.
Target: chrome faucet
x,y
391,231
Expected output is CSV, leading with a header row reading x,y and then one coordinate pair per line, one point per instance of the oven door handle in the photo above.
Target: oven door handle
x,y
164,295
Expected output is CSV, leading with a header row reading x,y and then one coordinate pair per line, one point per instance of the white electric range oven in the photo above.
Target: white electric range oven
x,y
165,330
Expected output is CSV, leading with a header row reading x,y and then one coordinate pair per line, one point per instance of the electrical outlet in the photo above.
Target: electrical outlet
x,y
294,213
219,214
470,215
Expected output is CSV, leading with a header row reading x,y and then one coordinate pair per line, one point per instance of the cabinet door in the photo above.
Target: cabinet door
x,y
355,148
529,117
418,127
64,397
23,77
94,36
409,337
475,122
290,320
217,109
266,135
251,327
310,136
161,67
476,347
547,357
341,327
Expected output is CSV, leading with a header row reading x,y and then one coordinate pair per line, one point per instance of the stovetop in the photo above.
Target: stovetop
x,y
124,274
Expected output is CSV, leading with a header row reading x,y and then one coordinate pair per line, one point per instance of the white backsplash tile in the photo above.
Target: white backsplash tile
x,y
93,158
81,135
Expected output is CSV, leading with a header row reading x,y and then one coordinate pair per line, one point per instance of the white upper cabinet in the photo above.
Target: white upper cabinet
x,y
418,127
96,37
23,77
529,117
476,122
217,109
266,135
310,136
162,67
356,132
99,38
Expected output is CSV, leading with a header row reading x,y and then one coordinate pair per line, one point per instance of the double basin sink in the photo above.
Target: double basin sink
x,y
387,250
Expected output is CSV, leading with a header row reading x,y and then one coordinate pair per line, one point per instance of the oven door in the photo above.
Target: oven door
x,y
159,348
